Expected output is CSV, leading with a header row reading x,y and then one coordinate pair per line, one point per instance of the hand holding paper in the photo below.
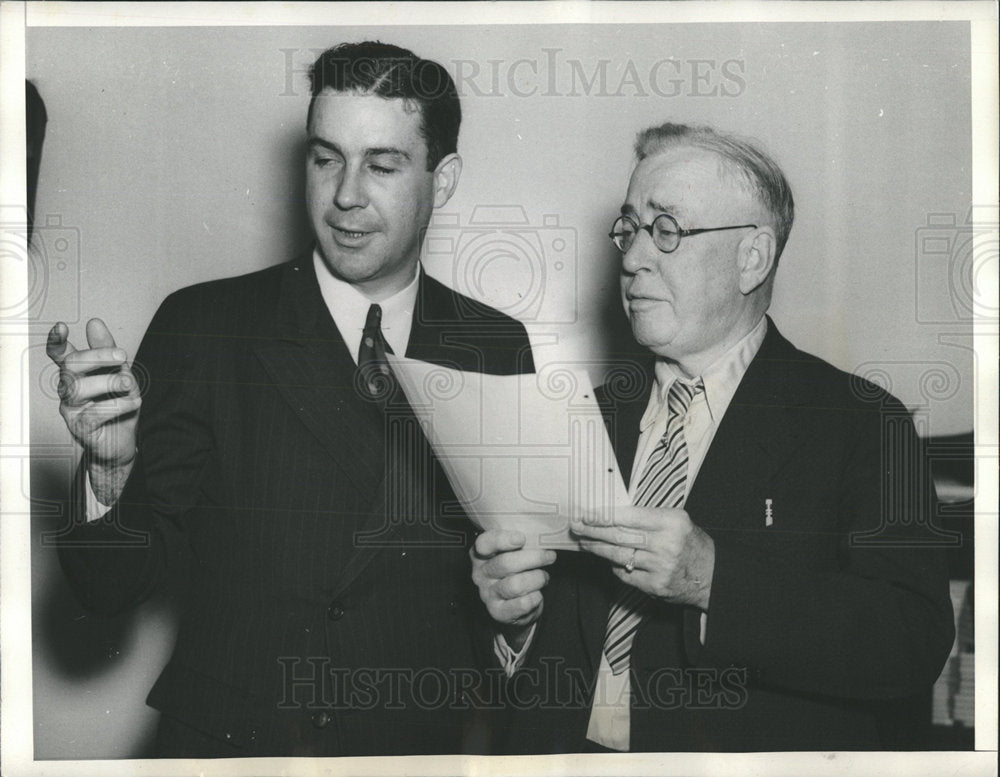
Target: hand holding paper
x,y
658,550
510,579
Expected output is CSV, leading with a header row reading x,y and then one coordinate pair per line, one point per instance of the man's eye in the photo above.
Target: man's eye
x,y
324,161
382,170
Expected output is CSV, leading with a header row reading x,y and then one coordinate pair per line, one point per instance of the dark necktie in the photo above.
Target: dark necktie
x,y
374,376
663,484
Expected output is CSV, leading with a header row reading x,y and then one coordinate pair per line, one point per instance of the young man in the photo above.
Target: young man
x,y
276,472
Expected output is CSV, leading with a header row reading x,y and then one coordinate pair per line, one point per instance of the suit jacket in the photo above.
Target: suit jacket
x,y
328,607
821,626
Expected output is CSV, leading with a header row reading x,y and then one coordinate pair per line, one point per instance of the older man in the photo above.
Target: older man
x,y
768,590
279,479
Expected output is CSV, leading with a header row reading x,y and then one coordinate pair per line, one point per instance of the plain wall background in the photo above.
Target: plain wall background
x,y
173,155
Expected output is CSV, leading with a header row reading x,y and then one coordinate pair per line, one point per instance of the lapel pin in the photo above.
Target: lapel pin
x,y
768,512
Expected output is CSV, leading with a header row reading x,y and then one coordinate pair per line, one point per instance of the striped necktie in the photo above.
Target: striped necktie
x,y
663,484
375,377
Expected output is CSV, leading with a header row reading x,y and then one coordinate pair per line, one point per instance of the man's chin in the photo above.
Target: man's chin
x,y
348,266
650,334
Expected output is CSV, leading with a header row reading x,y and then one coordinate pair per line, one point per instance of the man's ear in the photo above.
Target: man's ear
x,y
446,176
756,258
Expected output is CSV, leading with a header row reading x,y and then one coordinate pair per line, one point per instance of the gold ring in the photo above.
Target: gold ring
x,y
630,564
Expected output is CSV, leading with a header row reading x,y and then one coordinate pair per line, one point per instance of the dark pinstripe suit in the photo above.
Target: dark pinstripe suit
x,y
304,522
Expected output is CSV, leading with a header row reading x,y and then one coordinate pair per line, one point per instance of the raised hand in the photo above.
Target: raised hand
x,y
99,401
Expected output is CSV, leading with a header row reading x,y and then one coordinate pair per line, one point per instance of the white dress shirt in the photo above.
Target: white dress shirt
x,y
349,308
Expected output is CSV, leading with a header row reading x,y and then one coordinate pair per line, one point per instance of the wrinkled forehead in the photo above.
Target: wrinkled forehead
x,y
687,182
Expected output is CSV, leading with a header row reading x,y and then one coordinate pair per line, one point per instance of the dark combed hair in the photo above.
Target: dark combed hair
x,y
389,71
752,166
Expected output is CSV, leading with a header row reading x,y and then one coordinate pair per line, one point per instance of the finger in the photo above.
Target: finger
x,y
516,586
81,389
515,610
494,541
58,346
616,554
636,578
627,516
94,359
128,380
97,414
98,334
614,535
517,561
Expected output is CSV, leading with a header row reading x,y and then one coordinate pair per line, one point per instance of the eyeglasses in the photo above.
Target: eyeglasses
x,y
664,230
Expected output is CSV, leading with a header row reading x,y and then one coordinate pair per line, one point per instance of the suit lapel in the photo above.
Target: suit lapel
x,y
403,493
757,436
308,363
444,334
594,599
622,415
403,486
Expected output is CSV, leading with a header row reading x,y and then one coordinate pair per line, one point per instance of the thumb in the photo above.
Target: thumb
x,y
98,334
58,346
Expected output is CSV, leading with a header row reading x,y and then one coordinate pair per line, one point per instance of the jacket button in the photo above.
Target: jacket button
x,y
335,611
321,719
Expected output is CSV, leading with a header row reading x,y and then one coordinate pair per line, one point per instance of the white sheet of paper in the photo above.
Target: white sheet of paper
x,y
521,451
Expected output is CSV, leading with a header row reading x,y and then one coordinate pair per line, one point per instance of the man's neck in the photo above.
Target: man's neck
x,y
694,365
375,290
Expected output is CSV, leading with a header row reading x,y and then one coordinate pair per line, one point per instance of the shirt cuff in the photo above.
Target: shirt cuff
x,y
704,627
94,508
509,660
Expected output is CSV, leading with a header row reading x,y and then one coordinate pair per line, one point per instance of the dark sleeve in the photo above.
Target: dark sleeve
x,y
878,623
118,560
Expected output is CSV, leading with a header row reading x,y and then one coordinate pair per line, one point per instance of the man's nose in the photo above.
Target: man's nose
x,y
642,254
350,192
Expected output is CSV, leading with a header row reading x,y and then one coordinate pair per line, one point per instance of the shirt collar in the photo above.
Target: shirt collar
x,y
721,378
349,308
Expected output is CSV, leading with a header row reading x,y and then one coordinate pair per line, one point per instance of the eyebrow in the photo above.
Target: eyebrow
x,y
673,210
369,152
388,151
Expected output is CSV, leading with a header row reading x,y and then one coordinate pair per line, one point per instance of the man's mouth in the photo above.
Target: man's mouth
x,y
351,233
638,303
350,237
